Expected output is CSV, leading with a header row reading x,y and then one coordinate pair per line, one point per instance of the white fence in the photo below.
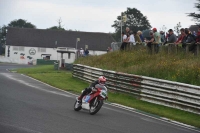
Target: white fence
x,y
172,94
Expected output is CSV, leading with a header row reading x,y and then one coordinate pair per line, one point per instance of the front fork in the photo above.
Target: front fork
x,y
95,101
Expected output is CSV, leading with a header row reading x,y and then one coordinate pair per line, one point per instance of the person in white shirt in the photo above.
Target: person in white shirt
x,y
81,52
124,42
132,39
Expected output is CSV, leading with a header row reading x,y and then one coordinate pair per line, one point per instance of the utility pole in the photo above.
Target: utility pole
x,y
123,20
121,25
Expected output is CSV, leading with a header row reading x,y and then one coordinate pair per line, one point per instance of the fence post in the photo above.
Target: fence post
x,y
198,44
152,48
187,48
176,46
169,48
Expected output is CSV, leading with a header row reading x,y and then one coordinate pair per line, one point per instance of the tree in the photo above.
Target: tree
x,y
20,23
55,28
3,33
177,28
196,16
135,21
59,27
163,28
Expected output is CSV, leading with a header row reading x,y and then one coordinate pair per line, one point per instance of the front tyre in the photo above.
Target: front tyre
x,y
95,107
77,106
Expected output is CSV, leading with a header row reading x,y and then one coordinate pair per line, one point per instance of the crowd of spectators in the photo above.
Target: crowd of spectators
x,y
131,38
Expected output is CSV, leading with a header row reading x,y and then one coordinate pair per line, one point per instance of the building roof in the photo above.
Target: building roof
x,y
194,28
47,38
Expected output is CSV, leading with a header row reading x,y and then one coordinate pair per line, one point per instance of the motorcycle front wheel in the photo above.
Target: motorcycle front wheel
x,y
77,106
95,107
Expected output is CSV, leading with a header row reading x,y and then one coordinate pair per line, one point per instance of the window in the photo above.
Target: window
x,y
46,58
41,49
17,48
21,48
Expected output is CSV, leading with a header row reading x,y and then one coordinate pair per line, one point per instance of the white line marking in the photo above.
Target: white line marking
x,y
33,86
50,85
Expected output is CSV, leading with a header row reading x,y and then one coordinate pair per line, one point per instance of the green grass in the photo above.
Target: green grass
x,y
61,79
179,67
65,81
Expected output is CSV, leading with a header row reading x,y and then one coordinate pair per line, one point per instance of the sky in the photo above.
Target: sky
x,y
95,16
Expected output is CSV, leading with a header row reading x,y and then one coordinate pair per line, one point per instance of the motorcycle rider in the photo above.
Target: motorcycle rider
x,y
101,81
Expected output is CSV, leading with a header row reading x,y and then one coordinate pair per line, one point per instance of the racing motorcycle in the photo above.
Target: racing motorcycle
x,y
93,101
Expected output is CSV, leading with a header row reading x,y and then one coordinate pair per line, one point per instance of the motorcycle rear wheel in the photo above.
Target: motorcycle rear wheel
x,y
76,106
95,108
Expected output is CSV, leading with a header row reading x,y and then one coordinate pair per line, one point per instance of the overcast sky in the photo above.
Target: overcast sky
x,y
95,16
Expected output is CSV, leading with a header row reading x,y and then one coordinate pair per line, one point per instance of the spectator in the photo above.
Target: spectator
x,y
109,49
167,36
172,38
156,36
150,42
181,36
194,33
137,38
140,35
189,38
124,42
127,31
162,35
193,46
198,36
132,39
157,39
86,52
81,52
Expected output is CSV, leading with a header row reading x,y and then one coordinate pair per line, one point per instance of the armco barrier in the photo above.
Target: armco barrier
x,y
172,94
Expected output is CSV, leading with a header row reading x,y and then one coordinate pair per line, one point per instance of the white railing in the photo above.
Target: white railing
x,y
172,94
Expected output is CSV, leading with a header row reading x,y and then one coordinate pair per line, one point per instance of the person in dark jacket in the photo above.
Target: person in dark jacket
x,y
150,42
101,81
189,38
86,52
172,38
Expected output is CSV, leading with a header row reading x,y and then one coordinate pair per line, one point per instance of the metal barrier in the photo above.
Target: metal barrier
x,y
172,94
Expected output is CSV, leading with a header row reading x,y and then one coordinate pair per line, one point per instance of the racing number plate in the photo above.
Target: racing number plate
x,y
103,94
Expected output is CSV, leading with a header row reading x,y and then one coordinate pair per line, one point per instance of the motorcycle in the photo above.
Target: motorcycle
x,y
93,101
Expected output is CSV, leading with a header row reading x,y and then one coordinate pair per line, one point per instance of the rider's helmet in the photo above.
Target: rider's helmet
x,y
102,80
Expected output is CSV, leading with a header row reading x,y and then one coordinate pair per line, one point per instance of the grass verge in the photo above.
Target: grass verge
x,y
179,67
65,81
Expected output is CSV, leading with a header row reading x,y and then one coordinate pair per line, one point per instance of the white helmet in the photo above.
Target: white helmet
x,y
102,80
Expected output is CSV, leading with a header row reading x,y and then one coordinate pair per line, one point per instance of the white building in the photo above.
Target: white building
x,y
25,44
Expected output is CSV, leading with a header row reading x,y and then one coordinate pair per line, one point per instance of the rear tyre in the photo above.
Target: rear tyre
x,y
95,107
77,106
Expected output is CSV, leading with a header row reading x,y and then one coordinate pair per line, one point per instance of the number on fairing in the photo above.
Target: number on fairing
x,y
103,93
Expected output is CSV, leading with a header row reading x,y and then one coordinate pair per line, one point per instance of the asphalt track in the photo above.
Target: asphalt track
x,y
29,106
